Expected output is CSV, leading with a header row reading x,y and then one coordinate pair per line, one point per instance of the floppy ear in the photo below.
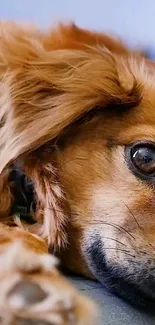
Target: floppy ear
x,y
43,91
72,37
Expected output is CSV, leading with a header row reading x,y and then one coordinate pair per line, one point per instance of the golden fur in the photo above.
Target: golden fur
x,y
70,100
51,85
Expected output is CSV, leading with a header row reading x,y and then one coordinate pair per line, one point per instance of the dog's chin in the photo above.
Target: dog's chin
x,y
140,293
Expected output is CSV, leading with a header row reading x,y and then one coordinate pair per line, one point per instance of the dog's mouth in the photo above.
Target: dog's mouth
x,y
138,291
24,204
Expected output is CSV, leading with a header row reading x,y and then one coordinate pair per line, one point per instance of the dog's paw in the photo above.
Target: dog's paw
x,y
32,292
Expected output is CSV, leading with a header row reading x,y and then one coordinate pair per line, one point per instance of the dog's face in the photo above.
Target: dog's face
x,y
107,168
108,172
105,160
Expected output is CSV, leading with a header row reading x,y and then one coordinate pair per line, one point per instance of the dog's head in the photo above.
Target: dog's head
x,y
79,110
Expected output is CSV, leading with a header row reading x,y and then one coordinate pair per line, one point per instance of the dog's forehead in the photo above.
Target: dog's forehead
x,y
132,124
139,122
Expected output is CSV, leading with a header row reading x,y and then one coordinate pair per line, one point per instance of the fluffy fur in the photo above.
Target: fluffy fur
x,y
44,88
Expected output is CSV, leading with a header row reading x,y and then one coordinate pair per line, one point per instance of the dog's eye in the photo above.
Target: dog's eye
x,y
141,159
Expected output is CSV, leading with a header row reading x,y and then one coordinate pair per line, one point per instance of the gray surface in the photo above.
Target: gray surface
x,y
113,310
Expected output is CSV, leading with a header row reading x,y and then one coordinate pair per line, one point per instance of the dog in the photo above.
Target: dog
x,y
77,163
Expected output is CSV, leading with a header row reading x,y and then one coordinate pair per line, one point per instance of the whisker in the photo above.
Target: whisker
x,y
94,222
146,253
133,261
117,241
120,250
113,225
132,214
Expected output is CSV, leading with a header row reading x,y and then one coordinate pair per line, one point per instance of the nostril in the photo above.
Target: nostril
x,y
25,293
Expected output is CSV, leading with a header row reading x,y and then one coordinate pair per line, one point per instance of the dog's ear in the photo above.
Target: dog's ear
x,y
45,90
72,37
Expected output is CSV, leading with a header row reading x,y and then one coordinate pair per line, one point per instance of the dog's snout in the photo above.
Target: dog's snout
x,y
134,279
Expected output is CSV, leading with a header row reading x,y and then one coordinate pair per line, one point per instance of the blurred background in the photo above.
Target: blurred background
x,y
133,20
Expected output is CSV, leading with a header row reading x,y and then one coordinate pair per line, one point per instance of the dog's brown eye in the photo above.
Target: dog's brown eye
x,y
140,158
144,159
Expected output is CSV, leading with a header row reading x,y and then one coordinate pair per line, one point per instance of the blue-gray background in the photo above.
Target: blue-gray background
x,y
134,20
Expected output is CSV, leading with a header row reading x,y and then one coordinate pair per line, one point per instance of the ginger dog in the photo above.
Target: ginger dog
x,y
77,163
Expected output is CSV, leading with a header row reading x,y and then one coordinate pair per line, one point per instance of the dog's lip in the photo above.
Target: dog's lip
x,y
123,289
129,292
117,282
